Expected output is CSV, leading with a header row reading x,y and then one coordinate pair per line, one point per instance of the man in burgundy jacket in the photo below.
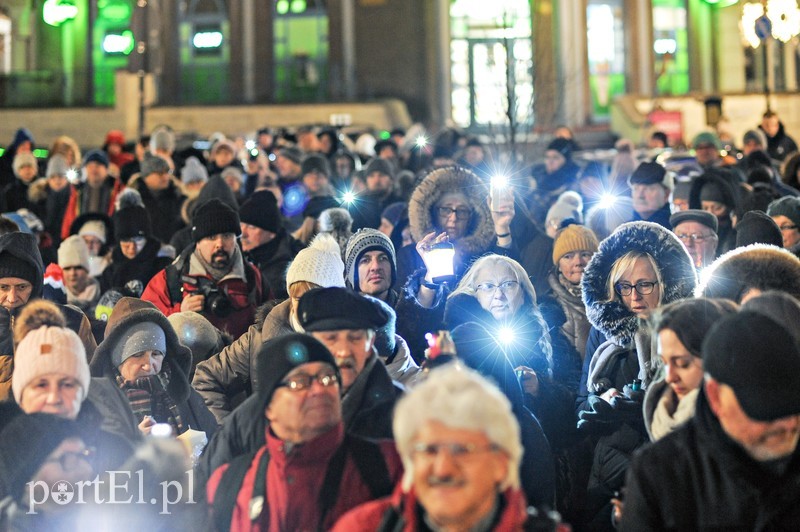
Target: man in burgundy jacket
x,y
309,473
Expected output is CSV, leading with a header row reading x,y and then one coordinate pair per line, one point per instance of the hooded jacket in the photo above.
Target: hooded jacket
x,y
131,311
626,355
272,259
728,183
480,235
24,247
781,145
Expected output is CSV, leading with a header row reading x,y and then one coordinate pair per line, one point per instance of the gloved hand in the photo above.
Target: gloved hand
x,y
600,419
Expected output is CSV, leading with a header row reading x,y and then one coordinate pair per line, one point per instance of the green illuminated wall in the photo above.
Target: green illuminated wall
x,y
673,77
204,75
113,16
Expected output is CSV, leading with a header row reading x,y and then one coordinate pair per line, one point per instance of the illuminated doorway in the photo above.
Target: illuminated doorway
x,y
490,51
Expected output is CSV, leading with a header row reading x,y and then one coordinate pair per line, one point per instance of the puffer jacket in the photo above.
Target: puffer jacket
x,y
232,372
626,355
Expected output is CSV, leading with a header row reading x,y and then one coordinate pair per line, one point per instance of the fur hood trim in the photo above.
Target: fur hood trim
x,y
130,311
758,266
480,232
37,191
677,272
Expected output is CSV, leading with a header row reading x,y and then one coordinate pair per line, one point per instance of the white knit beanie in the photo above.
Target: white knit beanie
x,y
320,263
568,205
73,252
49,350
94,228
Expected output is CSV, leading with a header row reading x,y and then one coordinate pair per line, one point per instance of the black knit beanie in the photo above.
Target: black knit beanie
x,y
132,222
277,357
261,210
758,228
214,218
13,266
25,444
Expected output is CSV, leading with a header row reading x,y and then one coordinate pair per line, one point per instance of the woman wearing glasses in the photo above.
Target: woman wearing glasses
x,y
451,205
640,267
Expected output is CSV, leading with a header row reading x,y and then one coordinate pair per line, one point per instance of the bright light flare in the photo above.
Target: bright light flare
x,y
421,141
607,201
72,175
349,197
506,336
499,182
250,144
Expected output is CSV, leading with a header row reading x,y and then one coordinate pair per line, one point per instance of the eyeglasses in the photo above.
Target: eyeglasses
x,y
69,460
505,287
642,287
461,213
301,381
694,237
457,451
788,227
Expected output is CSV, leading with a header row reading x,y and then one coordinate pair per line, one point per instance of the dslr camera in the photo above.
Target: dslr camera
x,y
216,301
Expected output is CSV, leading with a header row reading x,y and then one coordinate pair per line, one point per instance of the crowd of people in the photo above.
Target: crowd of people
x,y
304,332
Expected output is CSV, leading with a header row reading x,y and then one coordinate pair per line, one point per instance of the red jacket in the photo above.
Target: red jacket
x,y
369,516
294,481
244,300
74,204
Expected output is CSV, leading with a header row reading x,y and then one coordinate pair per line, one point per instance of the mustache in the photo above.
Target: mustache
x,y
783,433
444,482
346,363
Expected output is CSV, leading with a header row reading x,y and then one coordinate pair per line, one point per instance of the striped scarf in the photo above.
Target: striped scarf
x,y
148,397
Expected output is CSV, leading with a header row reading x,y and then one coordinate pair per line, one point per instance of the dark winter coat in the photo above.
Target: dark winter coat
x,y
626,355
224,377
164,208
729,183
15,196
480,237
143,267
781,145
548,187
697,478
79,202
660,217
244,430
24,247
273,259
131,311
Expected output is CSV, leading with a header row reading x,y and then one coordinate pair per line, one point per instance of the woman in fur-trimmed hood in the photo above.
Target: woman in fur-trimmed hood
x,y
636,269
138,336
479,234
675,265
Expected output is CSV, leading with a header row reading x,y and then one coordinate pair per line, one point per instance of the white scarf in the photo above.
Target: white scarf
x,y
668,416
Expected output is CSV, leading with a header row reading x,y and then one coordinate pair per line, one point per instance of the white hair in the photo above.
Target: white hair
x,y
459,398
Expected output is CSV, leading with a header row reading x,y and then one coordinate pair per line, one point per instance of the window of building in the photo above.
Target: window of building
x,y
605,41
300,50
670,45
490,51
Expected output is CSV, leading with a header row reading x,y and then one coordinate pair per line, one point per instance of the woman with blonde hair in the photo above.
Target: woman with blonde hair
x,y
638,268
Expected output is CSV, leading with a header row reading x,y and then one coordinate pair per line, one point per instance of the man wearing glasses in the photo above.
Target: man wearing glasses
x,y
308,473
211,277
460,444
698,231
786,213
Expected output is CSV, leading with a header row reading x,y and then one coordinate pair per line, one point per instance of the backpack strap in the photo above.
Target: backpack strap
x,y
231,483
371,464
175,273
